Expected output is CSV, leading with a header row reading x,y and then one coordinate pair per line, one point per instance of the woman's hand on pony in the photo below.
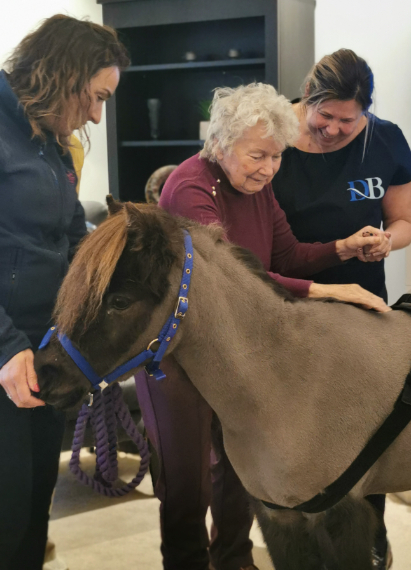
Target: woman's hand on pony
x,y
368,244
19,380
351,293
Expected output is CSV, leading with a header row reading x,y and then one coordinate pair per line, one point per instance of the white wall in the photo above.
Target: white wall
x,y
380,32
17,19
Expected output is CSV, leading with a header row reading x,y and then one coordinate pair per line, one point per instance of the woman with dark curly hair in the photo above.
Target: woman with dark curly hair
x,y
57,79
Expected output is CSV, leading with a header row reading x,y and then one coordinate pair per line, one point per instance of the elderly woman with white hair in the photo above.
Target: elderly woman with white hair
x,y
229,183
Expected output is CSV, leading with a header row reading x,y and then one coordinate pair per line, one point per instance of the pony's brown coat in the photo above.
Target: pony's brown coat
x,y
299,386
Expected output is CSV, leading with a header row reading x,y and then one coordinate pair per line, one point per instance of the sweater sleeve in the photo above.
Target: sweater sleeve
x,y
192,201
294,259
298,287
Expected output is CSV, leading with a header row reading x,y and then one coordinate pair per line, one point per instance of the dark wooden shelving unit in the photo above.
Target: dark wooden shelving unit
x,y
159,34
160,143
199,65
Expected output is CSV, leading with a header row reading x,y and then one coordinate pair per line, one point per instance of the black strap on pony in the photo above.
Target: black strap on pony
x,y
379,442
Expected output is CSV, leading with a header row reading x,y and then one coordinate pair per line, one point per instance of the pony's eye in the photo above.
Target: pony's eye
x,y
120,303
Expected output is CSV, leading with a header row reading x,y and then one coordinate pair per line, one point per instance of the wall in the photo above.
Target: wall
x,y
378,31
381,33
21,16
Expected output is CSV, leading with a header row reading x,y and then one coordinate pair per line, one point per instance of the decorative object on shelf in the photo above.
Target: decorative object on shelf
x,y
189,56
154,116
204,108
156,182
203,130
180,53
234,53
160,143
198,64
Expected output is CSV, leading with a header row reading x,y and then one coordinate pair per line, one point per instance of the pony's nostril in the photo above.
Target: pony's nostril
x,y
36,395
46,375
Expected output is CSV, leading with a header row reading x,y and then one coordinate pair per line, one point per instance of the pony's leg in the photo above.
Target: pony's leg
x,y
289,539
346,535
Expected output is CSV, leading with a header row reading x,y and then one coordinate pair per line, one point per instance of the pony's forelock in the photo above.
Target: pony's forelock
x,y
82,291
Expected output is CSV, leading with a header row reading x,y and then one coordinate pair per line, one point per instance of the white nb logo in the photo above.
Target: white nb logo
x,y
368,190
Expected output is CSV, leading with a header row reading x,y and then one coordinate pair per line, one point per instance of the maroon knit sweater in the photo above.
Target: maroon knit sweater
x,y
199,189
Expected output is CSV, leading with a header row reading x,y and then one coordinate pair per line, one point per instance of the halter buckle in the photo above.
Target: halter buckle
x,y
151,344
156,372
181,309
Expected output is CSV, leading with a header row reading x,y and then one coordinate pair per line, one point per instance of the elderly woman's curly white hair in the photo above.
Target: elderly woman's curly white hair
x,y
233,111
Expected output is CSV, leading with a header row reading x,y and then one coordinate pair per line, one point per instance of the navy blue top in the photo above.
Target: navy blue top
x,y
41,222
332,195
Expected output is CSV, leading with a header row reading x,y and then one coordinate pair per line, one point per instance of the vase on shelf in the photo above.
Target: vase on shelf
x,y
154,116
203,130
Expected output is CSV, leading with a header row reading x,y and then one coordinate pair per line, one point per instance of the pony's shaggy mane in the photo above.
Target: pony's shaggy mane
x,y
142,228
253,263
157,237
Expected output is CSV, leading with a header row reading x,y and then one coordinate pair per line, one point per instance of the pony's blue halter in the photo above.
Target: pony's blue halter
x,y
164,338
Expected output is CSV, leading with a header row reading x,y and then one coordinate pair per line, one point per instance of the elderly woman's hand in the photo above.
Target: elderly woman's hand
x,y
351,293
368,244
376,252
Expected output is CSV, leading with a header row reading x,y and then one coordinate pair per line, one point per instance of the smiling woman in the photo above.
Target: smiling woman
x,y
333,124
347,169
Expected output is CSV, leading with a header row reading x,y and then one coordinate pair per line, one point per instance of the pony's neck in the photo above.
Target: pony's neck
x,y
268,366
233,318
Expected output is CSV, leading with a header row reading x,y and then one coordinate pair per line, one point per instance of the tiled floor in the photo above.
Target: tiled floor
x,y
96,533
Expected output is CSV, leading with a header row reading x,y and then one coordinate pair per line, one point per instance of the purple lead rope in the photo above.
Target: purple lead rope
x,y
107,410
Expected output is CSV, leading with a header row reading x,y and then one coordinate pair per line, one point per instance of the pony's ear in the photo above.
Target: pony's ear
x,y
133,214
114,206
150,243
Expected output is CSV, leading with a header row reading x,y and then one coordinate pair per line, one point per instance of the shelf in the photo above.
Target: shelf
x,y
158,48
257,61
161,143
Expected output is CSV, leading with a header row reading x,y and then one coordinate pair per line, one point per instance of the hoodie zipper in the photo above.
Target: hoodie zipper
x,y
41,153
42,156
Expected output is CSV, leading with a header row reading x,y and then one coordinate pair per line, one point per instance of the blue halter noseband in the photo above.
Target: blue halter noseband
x,y
154,356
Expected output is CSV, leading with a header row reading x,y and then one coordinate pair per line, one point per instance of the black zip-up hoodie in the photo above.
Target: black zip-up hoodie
x,y
41,223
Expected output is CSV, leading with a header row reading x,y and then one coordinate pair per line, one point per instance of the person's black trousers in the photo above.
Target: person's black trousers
x,y
30,443
378,502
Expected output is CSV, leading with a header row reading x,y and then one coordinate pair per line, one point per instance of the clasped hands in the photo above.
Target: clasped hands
x,y
368,244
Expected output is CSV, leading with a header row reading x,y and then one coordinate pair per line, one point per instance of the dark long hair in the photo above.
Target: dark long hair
x,y
342,76
56,62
